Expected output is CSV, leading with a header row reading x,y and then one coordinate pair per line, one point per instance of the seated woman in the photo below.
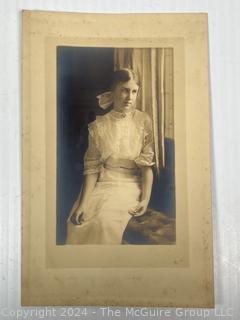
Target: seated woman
x,y
117,167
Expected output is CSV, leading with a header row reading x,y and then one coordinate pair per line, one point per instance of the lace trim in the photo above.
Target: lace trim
x,y
129,138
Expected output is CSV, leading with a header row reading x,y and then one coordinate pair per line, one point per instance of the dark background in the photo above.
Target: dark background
x,y
83,73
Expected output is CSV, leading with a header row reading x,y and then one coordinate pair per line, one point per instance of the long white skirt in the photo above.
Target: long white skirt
x,y
106,215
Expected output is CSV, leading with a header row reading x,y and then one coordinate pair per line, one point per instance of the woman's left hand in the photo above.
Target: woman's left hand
x,y
139,209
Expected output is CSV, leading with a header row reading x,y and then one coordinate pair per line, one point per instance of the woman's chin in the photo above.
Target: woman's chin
x,y
128,107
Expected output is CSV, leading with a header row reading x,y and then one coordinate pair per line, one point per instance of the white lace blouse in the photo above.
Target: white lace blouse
x,y
120,136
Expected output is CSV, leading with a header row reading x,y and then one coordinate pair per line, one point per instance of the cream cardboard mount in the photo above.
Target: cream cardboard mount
x,y
179,275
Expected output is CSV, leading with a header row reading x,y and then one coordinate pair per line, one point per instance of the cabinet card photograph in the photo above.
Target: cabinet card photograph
x,y
116,160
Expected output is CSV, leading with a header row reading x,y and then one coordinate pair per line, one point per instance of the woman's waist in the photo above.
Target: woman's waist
x,y
109,173
125,165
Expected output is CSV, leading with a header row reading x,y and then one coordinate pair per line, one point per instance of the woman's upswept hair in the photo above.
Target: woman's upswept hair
x,y
124,75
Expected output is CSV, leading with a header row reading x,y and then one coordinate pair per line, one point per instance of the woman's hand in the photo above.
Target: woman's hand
x,y
139,209
77,216
147,180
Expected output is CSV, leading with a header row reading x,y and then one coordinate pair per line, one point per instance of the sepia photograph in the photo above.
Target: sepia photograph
x,y
115,146
115,160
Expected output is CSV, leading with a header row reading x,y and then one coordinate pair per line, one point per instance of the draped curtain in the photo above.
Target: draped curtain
x,y
154,66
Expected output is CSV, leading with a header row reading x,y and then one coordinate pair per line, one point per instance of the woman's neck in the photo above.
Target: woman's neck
x,y
122,115
124,111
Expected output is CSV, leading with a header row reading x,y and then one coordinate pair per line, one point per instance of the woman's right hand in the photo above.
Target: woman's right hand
x,y
77,216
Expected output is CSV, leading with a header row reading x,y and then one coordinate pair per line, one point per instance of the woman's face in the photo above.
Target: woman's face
x,y
125,95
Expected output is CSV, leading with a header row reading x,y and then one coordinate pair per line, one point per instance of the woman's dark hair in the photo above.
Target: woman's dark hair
x,y
124,75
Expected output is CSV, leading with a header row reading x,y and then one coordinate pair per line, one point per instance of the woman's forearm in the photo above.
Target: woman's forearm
x,y
147,181
89,183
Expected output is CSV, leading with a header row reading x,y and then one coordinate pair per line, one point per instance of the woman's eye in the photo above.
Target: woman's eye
x,y
126,91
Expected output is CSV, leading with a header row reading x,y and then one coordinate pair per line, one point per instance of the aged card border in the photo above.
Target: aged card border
x,y
46,281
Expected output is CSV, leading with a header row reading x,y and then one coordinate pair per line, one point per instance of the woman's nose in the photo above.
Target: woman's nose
x,y
130,95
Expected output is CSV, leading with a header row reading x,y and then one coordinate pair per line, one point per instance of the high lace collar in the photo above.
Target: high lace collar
x,y
122,115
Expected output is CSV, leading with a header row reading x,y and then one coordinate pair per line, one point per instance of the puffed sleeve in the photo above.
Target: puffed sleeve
x,y
92,157
147,154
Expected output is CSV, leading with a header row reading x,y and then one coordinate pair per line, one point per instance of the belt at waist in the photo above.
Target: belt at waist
x,y
128,171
